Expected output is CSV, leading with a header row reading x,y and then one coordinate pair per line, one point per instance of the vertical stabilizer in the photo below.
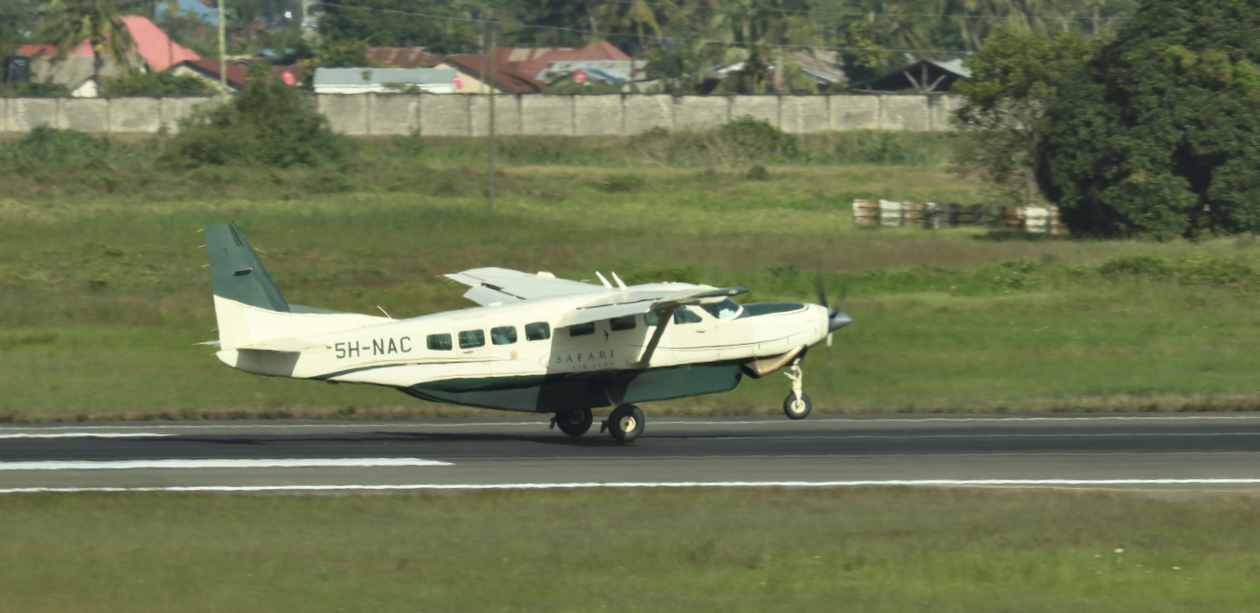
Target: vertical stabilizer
x,y
242,288
236,272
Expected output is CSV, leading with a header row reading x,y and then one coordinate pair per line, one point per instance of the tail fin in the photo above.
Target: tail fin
x,y
236,272
240,282
249,308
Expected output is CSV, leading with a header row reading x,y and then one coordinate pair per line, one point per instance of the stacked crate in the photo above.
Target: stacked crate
x,y
935,216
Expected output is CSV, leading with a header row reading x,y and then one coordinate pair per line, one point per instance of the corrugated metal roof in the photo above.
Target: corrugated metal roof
x,y
382,76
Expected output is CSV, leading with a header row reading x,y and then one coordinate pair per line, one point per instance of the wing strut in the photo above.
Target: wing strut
x,y
667,315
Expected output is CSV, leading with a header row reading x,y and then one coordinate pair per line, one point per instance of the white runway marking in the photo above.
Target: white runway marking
x,y
84,435
224,463
631,484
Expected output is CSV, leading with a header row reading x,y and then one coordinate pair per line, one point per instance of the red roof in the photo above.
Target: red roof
x,y
505,75
152,44
530,61
236,71
402,57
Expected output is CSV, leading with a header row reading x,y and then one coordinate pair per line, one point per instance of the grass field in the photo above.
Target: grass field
x,y
766,550
103,291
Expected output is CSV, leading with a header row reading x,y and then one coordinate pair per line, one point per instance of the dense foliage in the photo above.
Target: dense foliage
x,y
1158,134
1014,78
267,124
157,85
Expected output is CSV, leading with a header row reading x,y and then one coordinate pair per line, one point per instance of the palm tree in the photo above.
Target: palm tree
x,y
68,23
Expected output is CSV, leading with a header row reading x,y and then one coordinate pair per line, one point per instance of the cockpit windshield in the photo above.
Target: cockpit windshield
x,y
726,309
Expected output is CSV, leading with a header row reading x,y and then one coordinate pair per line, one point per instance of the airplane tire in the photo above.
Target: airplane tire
x,y
575,422
626,423
795,409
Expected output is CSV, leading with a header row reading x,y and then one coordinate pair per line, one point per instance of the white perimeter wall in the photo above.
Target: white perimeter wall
x,y
468,115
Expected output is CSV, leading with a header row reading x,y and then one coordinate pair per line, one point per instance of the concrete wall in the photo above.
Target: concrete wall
x,y
97,114
467,115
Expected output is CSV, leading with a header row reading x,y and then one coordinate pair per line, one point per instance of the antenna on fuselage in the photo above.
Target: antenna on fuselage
x,y
603,280
620,283
383,311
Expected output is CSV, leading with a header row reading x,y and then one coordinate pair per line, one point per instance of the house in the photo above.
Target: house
x,y
384,80
154,50
75,72
237,71
923,76
402,57
158,50
471,80
535,62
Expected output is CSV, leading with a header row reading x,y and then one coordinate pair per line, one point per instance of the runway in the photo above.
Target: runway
x,y
1159,452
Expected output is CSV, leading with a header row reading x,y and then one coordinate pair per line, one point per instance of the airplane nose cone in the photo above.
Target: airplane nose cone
x,y
837,321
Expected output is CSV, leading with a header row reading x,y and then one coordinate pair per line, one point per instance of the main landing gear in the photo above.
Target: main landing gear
x,y
796,405
625,423
575,422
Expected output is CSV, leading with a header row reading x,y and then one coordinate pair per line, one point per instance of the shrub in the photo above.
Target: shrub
x,y
622,183
158,85
757,141
742,141
45,145
268,124
882,149
31,89
757,173
1142,266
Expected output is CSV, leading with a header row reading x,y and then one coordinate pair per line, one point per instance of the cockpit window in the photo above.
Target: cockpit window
x,y
685,315
651,318
726,309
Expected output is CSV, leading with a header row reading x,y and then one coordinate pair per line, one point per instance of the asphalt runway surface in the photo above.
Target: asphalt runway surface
x,y
1148,452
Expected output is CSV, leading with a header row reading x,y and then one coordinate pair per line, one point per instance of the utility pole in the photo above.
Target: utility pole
x,y
488,75
222,49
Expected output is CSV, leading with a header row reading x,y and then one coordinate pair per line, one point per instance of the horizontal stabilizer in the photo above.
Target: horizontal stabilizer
x,y
292,345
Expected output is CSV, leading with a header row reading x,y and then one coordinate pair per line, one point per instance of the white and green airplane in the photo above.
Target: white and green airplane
x,y
536,344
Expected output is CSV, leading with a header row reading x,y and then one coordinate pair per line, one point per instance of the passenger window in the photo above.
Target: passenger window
x,y
439,342
622,323
505,335
540,331
686,316
472,338
651,318
582,329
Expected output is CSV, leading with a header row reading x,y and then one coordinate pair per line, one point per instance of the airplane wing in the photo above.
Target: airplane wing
x,y
658,296
491,285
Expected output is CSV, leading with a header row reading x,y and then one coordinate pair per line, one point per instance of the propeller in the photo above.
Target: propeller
x,y
836,319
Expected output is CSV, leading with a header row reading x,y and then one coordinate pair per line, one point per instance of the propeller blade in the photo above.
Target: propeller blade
x,y
829,335
822,292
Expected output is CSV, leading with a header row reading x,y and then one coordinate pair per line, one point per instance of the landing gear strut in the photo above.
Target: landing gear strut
x,y
796,405
625,423
574,422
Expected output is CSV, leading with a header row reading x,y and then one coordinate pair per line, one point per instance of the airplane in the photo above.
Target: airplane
x,y
535,344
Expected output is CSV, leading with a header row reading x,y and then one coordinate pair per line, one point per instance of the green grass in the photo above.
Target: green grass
x,y
704,550
102,297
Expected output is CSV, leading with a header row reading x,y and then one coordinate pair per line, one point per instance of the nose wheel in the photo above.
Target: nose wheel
x,y
575,422
625,423
797,404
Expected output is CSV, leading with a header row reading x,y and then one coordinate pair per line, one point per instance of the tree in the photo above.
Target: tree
x,y
18,20
67,23
1158,133
267,124
1013,79
401,23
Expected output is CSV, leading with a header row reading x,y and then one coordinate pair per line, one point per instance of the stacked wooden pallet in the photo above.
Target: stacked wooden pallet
x,y
931,215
